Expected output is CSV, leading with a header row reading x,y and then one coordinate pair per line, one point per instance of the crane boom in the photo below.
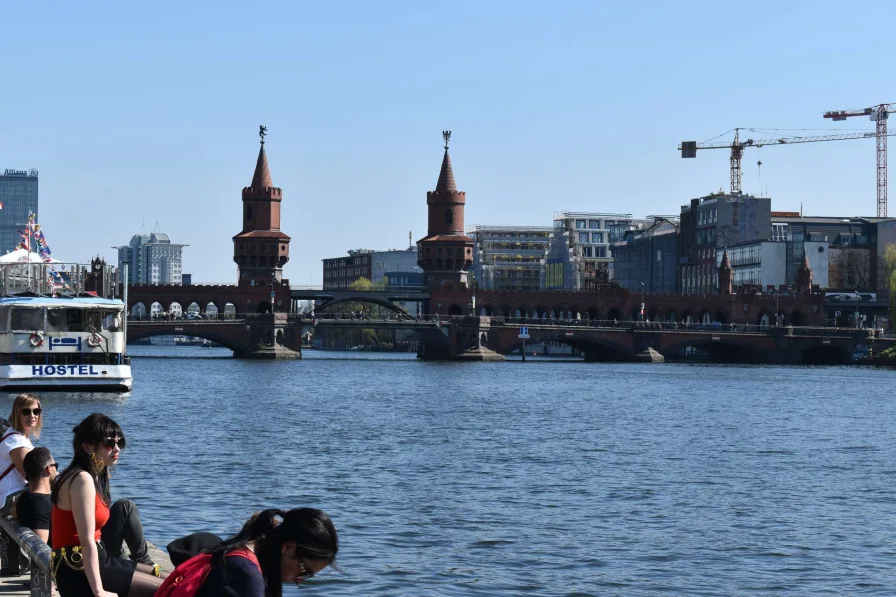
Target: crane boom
x,y
879,114
689,148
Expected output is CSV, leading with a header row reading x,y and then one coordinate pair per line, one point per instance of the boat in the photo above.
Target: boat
x,y
63,343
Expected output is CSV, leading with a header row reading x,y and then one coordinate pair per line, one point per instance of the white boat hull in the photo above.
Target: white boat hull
x,y
64,377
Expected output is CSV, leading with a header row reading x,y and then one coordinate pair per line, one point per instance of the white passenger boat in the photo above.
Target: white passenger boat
x,y
63,344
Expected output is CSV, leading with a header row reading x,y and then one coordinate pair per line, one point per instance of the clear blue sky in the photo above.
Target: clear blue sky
x,y
148,112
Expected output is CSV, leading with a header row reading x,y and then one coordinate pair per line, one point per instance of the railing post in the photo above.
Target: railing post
x,y
9,555
41,584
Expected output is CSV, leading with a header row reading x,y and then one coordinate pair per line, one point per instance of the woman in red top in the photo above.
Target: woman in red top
x,y
81,499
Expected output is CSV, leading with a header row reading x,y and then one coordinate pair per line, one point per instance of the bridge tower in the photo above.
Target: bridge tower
x,y
726,275
445,253
261,249
804,276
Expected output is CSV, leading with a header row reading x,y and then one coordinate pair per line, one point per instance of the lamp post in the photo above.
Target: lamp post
x,y
777,308
643,313
858,298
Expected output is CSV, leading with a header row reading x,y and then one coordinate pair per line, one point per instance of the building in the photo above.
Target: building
x,y
769,264
341,272
717,220
856,246
18,196
152,259
509,257
647,260
579,255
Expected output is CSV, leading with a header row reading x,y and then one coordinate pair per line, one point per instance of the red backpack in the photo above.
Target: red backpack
x,y
188,578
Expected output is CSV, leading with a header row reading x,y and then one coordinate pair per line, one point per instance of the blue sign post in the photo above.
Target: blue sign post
x,y
524,334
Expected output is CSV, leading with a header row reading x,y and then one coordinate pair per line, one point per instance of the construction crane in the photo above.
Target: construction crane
x,y
689,148
879,115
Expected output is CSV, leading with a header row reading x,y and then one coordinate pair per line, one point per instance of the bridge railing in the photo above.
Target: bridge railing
x,y
322,290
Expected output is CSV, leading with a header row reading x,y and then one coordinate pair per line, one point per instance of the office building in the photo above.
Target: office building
x,y
18,196
647,260
152,259
509,257
761,265
341,272
717,221
579,255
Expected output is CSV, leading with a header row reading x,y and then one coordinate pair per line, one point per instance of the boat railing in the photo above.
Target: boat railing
x,y
58,279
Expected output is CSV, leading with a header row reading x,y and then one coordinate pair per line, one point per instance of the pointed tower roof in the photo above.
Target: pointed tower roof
x,y
805,264
446,176
726,263
262,177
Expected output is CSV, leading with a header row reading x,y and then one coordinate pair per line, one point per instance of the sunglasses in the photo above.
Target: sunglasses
x,y
110,442
27,411
54,465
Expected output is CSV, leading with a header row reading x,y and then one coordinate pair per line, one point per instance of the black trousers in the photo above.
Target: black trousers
x,y
124,526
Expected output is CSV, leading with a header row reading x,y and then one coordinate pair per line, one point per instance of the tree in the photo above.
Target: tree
x,y
888,272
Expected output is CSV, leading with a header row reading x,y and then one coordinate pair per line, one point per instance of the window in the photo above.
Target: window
x,y
27,320
248,212
583,237
594,224
449,217
580,224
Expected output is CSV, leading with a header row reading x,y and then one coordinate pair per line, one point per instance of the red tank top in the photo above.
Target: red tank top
x,y
65,533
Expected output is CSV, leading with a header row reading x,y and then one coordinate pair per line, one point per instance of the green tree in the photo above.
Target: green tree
x,y
888,269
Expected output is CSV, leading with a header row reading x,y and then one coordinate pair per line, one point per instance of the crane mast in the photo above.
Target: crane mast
x,y
879,115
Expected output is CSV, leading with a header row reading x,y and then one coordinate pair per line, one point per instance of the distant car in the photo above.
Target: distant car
x,y
192,316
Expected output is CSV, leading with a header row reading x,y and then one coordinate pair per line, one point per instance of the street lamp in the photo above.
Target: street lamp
x,y
777,308
858,298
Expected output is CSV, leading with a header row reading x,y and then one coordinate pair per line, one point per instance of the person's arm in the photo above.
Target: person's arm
x,y
17,456
83,498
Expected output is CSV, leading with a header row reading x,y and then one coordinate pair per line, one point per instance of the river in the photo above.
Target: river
x,y
544,478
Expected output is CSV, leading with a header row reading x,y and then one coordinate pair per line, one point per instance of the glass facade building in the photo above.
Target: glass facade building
x,y
18,194
152,259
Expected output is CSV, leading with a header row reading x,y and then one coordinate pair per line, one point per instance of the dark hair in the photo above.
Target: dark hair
x,y
91,431
35,462
310,529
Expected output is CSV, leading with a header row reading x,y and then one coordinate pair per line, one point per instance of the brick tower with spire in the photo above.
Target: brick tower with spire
x,y
445,253
261,249
726,275
804,276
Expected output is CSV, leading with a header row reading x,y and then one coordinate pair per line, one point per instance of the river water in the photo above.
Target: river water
x,y
538,478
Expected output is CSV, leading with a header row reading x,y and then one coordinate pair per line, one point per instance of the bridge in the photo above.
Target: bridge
x,y
258,315
465,337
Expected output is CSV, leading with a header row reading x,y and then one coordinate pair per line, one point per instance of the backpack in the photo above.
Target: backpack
x,y
188,578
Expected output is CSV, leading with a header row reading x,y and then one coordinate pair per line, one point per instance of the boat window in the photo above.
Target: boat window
x,y
27,320
112,321
94,320
74,320
4,319
56,320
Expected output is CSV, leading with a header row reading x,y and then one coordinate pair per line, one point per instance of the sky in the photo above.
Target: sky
x,y
144,116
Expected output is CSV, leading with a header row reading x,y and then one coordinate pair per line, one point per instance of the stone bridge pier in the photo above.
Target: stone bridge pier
x,y
460,339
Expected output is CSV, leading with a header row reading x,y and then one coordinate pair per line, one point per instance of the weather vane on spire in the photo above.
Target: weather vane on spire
x,y
262,132
447,136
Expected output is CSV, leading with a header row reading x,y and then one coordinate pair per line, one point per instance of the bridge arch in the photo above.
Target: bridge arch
x,y
721,317
363,299
134,333
796,318
455,309
671,316
728,349
138,309
826,355
593,313
614,314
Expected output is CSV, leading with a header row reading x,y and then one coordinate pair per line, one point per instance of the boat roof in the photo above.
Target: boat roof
x,y
42,301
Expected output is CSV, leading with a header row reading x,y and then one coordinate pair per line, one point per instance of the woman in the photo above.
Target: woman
x,y
24,421
293,550
81,499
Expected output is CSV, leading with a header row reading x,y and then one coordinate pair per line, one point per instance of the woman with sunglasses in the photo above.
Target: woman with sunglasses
x,y
81,506
267,553
24,422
